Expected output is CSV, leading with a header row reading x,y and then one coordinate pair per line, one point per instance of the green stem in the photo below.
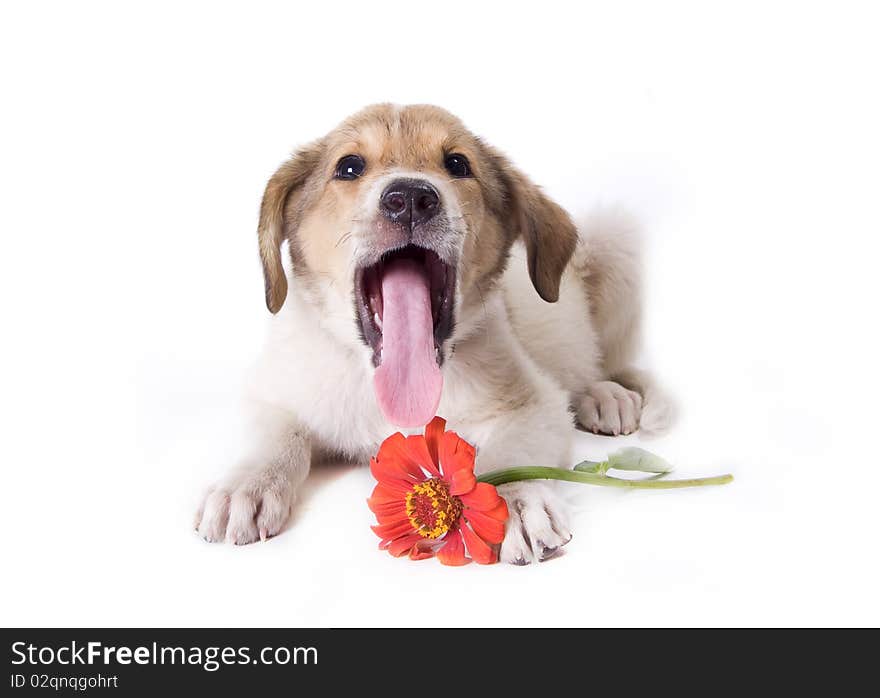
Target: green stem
x,y
500,477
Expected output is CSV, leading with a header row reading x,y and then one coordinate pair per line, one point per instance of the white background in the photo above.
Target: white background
x,y
135,146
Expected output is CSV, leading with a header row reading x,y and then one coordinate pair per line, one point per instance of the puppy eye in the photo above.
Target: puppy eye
x,y
350,167
457,165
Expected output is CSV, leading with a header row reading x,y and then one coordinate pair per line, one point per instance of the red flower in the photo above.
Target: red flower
x,y
428,501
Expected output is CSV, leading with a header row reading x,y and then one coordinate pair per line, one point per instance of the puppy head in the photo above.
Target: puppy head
x,y
398,223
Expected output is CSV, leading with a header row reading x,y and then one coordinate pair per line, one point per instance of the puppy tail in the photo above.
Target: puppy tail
x,y
609,259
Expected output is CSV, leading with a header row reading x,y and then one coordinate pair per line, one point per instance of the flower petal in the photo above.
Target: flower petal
x,y
391,489
484,497
420,454
393,530
477,547
396,517
390,474
386,512
452,552
384,493
402,546
499,513
486,527
455,454
433,434
462,481
404,458
421,550
385,502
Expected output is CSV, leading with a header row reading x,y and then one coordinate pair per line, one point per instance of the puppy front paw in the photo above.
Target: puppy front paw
x,y
247,507
538,523
609,408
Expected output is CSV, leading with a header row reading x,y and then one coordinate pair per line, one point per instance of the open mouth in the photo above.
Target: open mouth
x,y
405,310
441,285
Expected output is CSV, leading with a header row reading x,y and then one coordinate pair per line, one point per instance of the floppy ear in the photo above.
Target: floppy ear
x,y
547,230
271,233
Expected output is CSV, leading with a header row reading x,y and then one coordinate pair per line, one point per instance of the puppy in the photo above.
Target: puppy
x,y
430,276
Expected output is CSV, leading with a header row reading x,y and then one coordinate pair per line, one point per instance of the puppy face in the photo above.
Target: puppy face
x,y
398,223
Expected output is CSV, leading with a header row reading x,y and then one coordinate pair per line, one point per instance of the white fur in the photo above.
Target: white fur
x,y
518,366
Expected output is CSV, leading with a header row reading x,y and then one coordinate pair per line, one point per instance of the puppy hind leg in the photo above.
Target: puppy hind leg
x,y
608,259
658,409
609,408
631,400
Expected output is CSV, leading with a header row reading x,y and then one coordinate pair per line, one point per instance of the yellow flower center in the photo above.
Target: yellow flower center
x,y
432,511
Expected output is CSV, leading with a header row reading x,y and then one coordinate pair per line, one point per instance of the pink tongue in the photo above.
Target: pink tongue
x,y
408,381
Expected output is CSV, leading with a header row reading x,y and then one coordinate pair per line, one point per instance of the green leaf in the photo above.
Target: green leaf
x,y
589,466
638,459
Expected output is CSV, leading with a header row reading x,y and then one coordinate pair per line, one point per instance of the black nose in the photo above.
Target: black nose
x,y
410,201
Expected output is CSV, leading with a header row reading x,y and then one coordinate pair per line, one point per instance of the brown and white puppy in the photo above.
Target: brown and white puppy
x,y
429,276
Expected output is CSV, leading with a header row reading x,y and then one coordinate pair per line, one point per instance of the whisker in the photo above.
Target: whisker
x,y
343,239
